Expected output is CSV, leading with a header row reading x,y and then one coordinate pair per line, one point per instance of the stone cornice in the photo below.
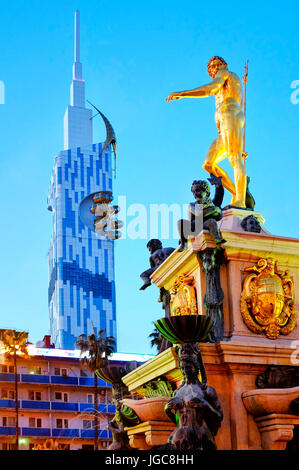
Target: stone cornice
x,y
165,363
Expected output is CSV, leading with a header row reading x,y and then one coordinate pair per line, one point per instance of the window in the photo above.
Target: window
x,y
62,423
88,424
34,395
89,398
62,372
61,396
7,394
83,373
6,446
8,369
8,421
35,422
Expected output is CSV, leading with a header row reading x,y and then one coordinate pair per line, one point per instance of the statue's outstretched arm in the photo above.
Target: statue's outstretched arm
x,y
202,91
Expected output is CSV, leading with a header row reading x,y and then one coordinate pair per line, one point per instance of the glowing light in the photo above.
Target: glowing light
x,y
23,441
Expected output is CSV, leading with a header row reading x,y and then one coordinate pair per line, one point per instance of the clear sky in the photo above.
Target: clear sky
x,y
134,54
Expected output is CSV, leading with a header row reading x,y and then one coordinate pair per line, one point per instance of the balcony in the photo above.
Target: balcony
x,y
55,432
7,403
89,434
102,408
35,432
60,380
6,377
35,379
64,406
53,379
35,405
8,431
26,404
57,406
65,432
89,382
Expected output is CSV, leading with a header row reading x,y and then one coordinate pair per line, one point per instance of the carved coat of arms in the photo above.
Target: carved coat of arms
x,y
183,297
267,300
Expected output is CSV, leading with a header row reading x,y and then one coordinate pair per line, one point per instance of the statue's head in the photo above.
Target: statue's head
x,y
251,224
216,63
188,360
153,245
200,189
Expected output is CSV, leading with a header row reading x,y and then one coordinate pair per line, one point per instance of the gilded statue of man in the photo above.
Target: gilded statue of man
x,y
227,89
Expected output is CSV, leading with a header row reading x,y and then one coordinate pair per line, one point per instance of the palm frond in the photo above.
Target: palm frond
x,y
99,348
156,338
15,341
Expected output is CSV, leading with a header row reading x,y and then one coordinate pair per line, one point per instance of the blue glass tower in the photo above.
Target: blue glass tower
x,y
81,264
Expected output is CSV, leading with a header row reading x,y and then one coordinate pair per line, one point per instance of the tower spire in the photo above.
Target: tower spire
x,y
77,36
77,119
77,67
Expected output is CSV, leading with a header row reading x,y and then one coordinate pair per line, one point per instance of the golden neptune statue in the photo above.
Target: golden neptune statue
x,y
230,120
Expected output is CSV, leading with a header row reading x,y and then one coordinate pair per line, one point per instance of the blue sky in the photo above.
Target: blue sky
x,y
134,54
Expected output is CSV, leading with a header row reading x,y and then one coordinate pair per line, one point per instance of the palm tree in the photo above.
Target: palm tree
x,y
156,339
99,348
15,344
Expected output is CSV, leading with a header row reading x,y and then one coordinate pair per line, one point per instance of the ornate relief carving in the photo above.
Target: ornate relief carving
x,y
267,300
183,296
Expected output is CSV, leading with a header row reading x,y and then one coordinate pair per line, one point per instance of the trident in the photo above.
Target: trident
x,y
244,80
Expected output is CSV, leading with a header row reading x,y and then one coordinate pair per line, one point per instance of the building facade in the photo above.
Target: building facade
x,y
56,400
81,264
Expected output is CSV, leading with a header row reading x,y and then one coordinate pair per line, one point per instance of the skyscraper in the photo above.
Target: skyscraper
x,y
81,264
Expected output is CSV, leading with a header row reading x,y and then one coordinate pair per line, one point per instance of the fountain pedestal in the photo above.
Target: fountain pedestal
x,y
234,363
271,411
150,433
276,430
